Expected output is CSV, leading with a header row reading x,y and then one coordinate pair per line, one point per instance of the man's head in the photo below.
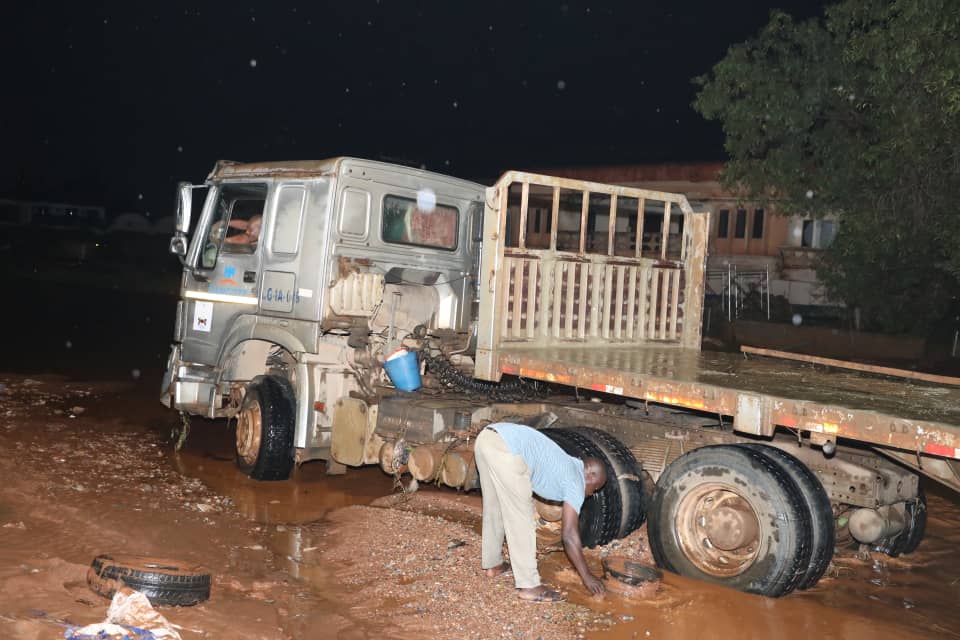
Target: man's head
x,y
595,474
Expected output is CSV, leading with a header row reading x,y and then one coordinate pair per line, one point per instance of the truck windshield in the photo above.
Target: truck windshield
x,y
235,224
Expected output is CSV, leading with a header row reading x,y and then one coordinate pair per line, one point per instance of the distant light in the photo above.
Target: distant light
x,y
139,196
561,84
455,104
179,148
253,63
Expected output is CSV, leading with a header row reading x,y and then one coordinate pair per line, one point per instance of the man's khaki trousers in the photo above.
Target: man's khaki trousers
x,y
507,509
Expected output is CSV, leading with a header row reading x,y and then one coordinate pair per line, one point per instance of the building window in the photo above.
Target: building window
x,y
723,221
757,223
818,234
740,231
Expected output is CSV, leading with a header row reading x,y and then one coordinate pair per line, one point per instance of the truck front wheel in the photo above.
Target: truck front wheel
x,y
731,516
265,426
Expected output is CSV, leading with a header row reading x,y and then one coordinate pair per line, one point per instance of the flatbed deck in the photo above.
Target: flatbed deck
x,y
759,392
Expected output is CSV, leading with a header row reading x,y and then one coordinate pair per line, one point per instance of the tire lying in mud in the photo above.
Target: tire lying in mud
x,y
909,539
730,515
265,426
823,525
635,486
600,515
164,582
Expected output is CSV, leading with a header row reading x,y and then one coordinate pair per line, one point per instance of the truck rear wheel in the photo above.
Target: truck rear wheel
x,y
600,513
628,474
823,525
729,515
265,425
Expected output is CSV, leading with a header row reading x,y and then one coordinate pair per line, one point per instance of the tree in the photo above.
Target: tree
x,y
856,114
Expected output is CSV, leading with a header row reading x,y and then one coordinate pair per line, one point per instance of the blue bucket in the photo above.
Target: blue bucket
x,y
403,369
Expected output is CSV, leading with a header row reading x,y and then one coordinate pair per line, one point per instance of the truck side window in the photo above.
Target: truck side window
x,y
235,224
404,222
286,226
354,213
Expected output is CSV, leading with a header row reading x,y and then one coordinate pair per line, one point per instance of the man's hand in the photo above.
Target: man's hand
x,y
570,526
594,585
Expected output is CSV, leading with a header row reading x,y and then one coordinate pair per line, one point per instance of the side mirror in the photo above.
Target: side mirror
x,y
178,245
184,203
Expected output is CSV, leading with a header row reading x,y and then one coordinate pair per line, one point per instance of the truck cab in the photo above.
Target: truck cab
x,y
297,278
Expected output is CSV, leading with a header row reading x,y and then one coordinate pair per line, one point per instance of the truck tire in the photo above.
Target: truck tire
x,y
265,425
909,539
823,525
600,513
628,473
729,515
164,582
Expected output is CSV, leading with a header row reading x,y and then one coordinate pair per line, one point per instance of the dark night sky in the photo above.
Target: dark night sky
x,y
113,104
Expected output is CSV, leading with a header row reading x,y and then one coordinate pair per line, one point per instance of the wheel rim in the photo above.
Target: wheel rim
x,y
718,530
249,431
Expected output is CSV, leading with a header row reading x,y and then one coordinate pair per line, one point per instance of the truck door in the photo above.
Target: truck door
x,y
227,258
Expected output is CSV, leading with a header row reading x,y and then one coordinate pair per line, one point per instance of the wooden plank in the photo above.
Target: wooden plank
x,y
582,302
547,295
643,303
664,303
639,248
568,325
524,202
517,296
594,300
665,231
606,309
618,313
652,311
674,303
631,302
532,293
554,218
856,366
558,270
584,210
612,226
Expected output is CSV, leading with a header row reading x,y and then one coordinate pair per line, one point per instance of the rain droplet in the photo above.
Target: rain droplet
x,y
797,319
253,63
809,194
180,148
139,196
68,344
426,199
455,104
135,373
561,84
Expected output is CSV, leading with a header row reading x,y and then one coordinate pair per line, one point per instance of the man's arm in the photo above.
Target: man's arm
x,y
570,523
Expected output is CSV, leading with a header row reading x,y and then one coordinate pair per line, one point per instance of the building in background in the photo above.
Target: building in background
x,y
750,247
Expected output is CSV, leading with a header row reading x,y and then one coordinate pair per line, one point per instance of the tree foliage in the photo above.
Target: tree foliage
x,y
856,114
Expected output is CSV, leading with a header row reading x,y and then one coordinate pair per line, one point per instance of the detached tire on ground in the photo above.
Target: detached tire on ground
x,y
265,426
600,513
823,526
729,515
164,582
628,474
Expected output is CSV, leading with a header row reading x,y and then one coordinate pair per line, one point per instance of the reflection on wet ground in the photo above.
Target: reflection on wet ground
x,y
305,497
